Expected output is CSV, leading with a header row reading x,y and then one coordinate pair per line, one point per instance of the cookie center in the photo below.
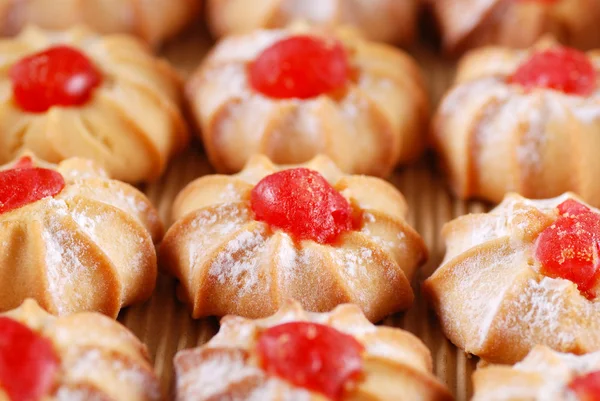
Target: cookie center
x,y
28,362
58,76
313,356
25,184
300,67
587,387
570,247
562,69
302,203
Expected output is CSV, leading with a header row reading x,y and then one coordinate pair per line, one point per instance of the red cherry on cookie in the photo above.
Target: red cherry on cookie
x,y
587,387
572,208
562,69
312,356
24,162
302,203
28,362
26,184
300,67
570,247
58,76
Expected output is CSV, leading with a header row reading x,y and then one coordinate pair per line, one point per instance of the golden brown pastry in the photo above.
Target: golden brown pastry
x,y
467,24
296,355
73,239
75,93
84,356
545,375
524,274
242,244
524,121
153,20
360,103
380,20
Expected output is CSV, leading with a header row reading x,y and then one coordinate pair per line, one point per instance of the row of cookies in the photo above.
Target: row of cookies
x,y
243,231
292,355
523,275
76,241
75,93
490,22
88,245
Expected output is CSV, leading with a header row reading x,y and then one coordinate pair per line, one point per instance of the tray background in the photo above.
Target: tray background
x,y
163,323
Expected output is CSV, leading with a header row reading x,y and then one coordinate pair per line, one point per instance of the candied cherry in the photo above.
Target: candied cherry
x,y
58,76
563,69
302,203
24,162
25,184
300,67
313,356
28,362
570,247
587,387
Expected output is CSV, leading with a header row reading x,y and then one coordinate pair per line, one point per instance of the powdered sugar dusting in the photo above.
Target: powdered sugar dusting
x,y
217,371
287,259
213,375
63,252
546,308
486,296
91,224
538,361
535,112
77,394
134,203
87,223
244,48
547,205
509,122
508,219
478,92
388,350
588,113
247,121
239,263
229,194
555,370
211,224
231,81
390,240
95,365
352,263
315,11
273,389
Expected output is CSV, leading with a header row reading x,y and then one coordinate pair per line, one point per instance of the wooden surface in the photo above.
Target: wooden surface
x,y
163,323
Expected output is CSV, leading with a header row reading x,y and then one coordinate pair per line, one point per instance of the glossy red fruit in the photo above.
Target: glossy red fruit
x,y
58,76
302,203
26,184
28,362
311,356
24,162
572,208
563,69
587,387
300,67
570,247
